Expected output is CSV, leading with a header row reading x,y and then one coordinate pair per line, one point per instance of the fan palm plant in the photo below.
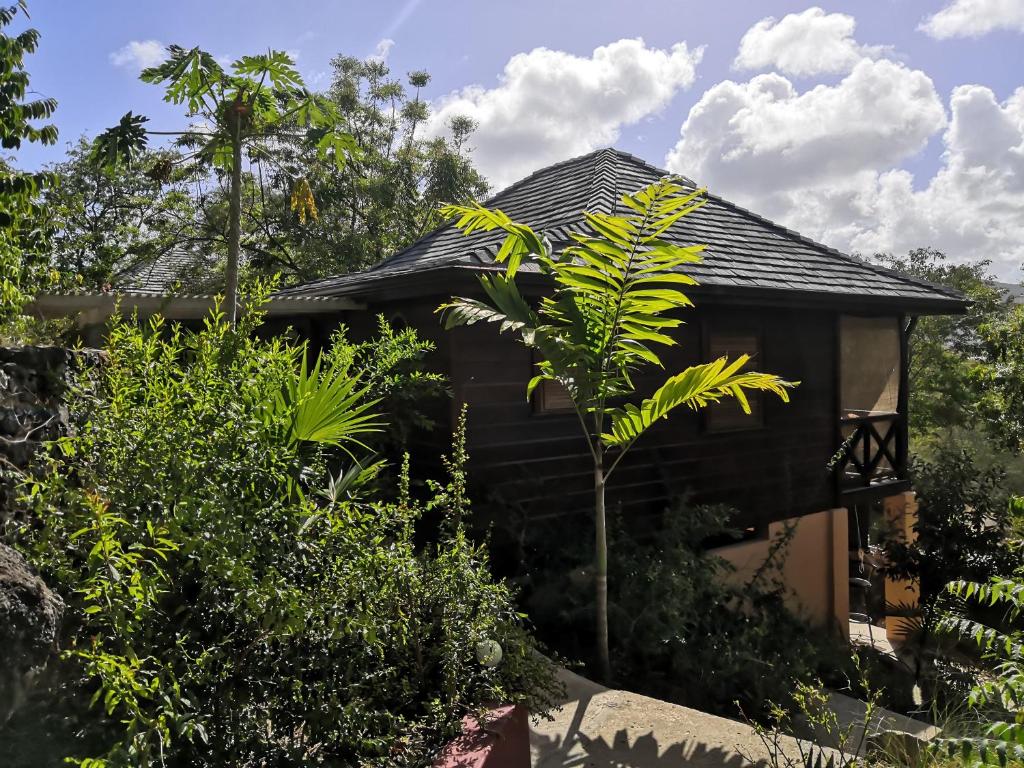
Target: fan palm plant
x,y
617,289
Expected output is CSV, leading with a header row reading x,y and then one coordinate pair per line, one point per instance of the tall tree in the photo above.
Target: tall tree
x,y
22,234
244,111
109,221
383,199
616,296
949,353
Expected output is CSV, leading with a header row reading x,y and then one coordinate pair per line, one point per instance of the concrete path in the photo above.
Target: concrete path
x,y
601,728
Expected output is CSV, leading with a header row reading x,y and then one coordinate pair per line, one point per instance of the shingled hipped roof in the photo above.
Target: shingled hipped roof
x,y
746,254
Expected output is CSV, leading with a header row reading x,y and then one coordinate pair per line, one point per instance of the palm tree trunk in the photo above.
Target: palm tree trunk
x,y
234,224
601,567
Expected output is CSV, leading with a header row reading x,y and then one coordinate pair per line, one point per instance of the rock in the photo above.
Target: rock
x,y
34,383
30,617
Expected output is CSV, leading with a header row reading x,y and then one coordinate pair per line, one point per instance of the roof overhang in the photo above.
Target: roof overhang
x,y
443,281
96,308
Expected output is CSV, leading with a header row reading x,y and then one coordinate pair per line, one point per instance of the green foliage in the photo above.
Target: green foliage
x,y
108,222
615,291
963,523
616,297
683,625
22,232
1002,405
240,106
224,607
1000,693
809,704
965,370
260,101
384,198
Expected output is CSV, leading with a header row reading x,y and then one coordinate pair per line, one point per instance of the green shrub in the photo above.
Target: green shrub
x,y
999,692
963,524
964,532
681,629
230,601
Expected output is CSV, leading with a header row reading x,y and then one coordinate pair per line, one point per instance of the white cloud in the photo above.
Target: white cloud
x,y
802,44
826,162
974,18
974,206
384,46
139,54
763,135
551,105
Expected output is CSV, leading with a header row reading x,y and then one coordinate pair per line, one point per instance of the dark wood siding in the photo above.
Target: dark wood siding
x,y
540,461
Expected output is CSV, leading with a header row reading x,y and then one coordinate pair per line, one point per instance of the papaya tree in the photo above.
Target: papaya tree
x,y
617,293
233,112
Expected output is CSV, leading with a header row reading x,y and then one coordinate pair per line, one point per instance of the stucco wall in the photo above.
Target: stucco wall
x,y
816,566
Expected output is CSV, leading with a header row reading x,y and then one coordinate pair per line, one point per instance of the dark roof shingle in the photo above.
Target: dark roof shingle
x,y
743,249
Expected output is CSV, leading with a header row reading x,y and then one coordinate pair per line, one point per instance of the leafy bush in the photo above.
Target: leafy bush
x,y
963,521
1000,692
681,629
963,528
225,608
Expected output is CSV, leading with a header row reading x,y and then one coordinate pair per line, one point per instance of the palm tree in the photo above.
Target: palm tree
x,y
617,289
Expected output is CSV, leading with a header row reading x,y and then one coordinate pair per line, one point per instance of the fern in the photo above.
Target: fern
x,y
1003,690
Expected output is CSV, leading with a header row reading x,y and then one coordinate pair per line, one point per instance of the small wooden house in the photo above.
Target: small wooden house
x,y
839,325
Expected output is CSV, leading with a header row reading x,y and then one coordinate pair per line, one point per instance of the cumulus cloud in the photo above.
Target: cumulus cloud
x,y
826,162
803,44
973,18
551,105
974,206
139,54
764,135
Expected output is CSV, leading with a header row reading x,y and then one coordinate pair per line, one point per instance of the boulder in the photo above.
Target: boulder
x,y
30,617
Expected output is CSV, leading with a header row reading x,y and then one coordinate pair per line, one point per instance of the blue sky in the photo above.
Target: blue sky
x,y
877,125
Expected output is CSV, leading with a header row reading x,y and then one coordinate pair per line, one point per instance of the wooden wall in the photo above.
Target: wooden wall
x,y
540,461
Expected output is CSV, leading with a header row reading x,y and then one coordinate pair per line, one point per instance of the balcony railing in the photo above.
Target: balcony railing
x,y
873,451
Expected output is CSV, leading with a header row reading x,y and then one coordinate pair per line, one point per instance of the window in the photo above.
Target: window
x,y
728,415
551,397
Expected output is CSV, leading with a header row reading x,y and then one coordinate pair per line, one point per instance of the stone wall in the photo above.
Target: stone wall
x,y
34,382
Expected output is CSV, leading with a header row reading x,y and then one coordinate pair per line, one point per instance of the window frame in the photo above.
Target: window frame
x,y
759,422
538,400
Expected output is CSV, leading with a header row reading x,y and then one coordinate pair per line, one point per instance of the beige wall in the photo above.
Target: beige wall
x,y
816,568
901,515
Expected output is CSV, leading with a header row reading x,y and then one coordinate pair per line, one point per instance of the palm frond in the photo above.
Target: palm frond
x,y
520,243
328,407
696,387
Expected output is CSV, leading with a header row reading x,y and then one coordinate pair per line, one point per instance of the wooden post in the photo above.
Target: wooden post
x,y
903,401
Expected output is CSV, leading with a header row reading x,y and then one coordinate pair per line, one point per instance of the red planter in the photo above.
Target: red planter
x,y
504,742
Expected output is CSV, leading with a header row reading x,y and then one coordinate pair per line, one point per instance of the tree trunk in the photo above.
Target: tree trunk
x,y
601,568
234,225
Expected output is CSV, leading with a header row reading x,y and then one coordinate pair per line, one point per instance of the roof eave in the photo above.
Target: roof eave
x,y
94,308
446,279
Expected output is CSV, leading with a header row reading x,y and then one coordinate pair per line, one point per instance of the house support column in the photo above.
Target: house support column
x,y
840,566
901,516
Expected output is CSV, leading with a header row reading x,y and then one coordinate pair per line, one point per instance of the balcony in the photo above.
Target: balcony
x,y
872,457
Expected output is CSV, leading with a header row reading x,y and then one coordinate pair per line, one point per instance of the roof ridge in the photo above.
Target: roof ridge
x,y
540,171
603,183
